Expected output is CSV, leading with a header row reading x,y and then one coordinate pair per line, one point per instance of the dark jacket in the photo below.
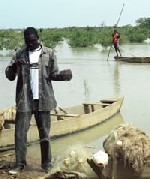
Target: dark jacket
x,y
48,70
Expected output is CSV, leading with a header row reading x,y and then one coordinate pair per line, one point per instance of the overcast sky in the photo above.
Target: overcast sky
x,y
64,13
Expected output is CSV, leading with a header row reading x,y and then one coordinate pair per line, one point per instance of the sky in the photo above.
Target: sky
x,y
68,13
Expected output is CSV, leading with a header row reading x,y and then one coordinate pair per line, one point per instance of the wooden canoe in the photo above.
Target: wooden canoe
x,y
133,59
69,120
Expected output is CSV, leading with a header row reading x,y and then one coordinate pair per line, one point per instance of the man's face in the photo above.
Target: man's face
x,y
31,42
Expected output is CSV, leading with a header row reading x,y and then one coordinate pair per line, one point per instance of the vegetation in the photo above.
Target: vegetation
x,y
11,39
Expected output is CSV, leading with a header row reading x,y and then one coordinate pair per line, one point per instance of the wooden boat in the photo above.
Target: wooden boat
x,y
68,120
133,59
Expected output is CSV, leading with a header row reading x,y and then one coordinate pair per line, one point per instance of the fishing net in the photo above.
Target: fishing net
x,y
131,145
73,162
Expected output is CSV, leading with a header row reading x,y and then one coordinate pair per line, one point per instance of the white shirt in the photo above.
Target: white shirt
x,y
34,71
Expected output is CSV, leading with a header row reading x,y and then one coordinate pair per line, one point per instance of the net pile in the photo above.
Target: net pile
x,y
7,115
129,144
74,160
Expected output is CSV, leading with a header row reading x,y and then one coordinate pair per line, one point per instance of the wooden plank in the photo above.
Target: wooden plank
x,y
106,104
108,100
66,115
97,103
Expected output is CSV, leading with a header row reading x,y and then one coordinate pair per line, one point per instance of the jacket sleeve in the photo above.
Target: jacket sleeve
x,y
11,69
55,74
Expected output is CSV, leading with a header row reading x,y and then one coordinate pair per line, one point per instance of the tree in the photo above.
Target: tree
x,y
143,22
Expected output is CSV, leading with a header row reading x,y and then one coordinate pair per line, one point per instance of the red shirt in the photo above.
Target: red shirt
x,y
116,38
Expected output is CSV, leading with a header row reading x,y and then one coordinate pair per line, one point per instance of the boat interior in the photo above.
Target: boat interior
x,y
7,116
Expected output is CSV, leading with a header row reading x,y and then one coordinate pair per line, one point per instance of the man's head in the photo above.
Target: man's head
x,y
115,31
31,38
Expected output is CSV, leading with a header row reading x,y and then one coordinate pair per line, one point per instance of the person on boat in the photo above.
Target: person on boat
x,y
35,66
116,37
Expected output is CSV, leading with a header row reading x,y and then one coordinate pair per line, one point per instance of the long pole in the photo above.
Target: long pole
x,y
116,26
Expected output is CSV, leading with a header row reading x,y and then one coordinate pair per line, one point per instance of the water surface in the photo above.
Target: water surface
x,y
95,78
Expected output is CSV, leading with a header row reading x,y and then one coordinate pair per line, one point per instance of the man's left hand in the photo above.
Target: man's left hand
x,y
67,74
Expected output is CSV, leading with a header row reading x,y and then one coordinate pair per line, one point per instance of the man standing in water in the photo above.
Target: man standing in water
x,y
116,37
35,66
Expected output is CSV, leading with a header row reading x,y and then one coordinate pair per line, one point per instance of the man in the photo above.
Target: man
x,y
116,37
35,66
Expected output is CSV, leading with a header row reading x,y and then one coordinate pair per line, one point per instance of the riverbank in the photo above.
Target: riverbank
x,y
73,159
7,161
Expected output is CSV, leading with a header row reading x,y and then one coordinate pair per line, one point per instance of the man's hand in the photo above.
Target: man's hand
x,y
67,74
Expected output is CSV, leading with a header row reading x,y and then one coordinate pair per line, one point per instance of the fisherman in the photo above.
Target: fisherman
x,y
116,37
35,66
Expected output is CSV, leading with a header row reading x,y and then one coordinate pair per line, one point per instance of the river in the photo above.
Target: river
x,y
95,78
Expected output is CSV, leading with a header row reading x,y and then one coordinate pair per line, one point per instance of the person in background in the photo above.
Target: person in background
x,y
35,66
116,37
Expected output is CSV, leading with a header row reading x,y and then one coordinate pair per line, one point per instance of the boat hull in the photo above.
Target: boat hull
x,y
133,59
67,125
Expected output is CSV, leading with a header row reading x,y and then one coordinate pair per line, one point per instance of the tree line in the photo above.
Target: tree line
x,y
12,39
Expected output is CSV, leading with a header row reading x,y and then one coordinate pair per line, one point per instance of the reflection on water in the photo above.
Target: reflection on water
x,y
86,91
116,79
92,137
88,136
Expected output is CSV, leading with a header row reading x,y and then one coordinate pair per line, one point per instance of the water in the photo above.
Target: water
x,y
95,78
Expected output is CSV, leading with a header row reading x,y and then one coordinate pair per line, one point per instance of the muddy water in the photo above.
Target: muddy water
x,y
94,78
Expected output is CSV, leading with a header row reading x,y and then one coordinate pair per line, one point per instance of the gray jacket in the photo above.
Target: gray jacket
x,y
48,70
